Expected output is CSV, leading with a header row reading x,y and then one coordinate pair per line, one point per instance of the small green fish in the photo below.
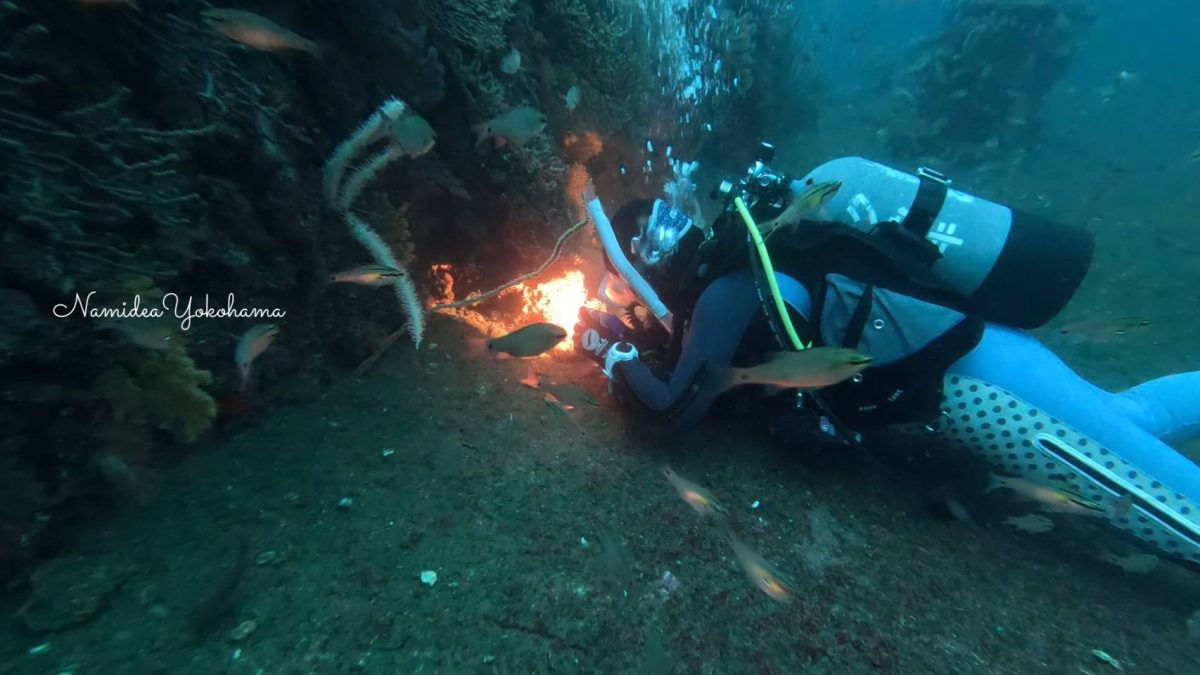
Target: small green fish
x,y
413,135
510,63
805,369
531,340
1100,330
804,206
1052,499
367,275
252,344
516,126
569,393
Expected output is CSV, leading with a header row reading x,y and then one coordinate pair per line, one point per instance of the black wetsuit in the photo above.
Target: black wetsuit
x,y
912,341
719,323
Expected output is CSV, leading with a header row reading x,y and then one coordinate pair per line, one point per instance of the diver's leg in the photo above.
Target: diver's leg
x,y
1167,408
1016,403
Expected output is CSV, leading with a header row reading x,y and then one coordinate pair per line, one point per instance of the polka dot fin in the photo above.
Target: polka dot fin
x,y
1017,439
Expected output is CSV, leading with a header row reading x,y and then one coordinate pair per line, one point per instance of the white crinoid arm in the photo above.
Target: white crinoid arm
x,y
341,192
368,132
382,254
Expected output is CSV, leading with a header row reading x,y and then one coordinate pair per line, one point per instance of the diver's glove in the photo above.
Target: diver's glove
x,y
596,333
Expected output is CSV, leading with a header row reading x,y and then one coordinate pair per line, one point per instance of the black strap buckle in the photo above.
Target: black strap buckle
x,y
931,195
910,233
858,318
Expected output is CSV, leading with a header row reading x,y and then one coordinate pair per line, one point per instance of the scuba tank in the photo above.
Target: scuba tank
x,y
982,258
1001,263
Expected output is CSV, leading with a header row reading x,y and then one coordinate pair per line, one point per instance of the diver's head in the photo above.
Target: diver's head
x,y
653,232
659,240
661,233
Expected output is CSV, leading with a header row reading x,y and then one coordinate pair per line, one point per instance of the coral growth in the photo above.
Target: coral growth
x,y
157,389
538,165
140,153
431,171
92,164
599,45
430,81
393,226
982,80
476,24
479,85
596,40
575,188
82,175
582,147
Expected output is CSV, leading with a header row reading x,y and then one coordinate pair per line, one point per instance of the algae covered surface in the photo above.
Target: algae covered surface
x,y
561,550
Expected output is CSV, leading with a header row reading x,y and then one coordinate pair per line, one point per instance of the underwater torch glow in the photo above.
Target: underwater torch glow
x,y
555,301
558,301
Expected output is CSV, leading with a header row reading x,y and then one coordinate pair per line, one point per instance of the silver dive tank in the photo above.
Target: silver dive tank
x,y
1003,264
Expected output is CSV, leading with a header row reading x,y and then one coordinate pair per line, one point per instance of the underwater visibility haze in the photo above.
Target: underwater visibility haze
x,y
599,336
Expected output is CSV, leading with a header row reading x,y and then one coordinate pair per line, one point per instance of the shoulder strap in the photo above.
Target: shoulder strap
x,y
858,320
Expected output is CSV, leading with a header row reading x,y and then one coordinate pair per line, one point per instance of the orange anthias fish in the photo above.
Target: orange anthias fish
x,y
761,573
702,501
553,403
252,344
256,31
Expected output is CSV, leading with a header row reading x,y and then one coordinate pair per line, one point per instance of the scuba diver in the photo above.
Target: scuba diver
x,y
937,286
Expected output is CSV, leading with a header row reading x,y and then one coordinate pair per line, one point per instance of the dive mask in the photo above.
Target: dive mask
x,y
660,237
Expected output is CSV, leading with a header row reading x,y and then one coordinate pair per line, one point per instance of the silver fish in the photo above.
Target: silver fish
x,y
516,126
510,63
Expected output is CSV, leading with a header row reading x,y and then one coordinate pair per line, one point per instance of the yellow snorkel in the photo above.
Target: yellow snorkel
x,y
769,272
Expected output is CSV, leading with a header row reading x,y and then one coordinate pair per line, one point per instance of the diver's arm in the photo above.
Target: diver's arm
x,y
719,323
